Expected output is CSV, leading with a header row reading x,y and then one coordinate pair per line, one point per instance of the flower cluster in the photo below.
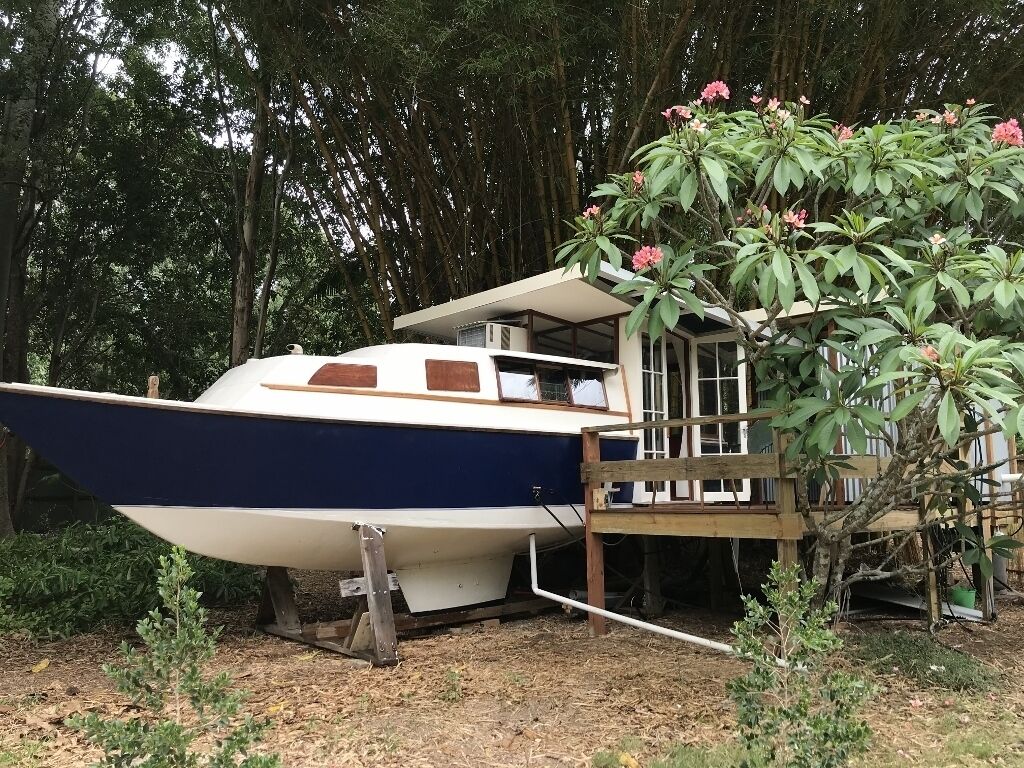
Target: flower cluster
x,y
937,239
638,182
930,353
677,115
593,212
842,132
795,220
1008,133
647,256
713,91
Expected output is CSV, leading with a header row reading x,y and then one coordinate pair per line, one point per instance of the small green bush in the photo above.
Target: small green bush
x,y
187,719
919,657
800,713
86,576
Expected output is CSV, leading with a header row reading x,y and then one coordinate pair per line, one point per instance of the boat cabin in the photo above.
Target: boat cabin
x,y
692,371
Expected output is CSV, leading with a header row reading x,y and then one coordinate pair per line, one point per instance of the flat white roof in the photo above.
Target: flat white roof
x,y
567,295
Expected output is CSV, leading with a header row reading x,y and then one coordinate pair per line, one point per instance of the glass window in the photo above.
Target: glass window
x,y
587,389
517,381
553,384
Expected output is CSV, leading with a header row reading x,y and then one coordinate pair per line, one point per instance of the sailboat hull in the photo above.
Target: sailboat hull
x,y
272,489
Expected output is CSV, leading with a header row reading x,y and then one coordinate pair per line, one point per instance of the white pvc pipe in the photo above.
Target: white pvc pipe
x,y
701,641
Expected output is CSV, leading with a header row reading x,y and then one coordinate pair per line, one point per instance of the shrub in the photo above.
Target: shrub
x,y
85,576
181,705
799,713
924,660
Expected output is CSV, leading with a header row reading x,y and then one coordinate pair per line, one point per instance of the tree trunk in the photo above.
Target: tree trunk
x,y
243,294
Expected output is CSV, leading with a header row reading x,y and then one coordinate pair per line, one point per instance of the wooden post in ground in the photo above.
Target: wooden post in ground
x,y
785,499
654,602
594,541
378,596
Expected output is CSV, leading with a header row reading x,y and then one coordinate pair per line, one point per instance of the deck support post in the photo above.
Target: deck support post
x,y
594,541
278,605
654,602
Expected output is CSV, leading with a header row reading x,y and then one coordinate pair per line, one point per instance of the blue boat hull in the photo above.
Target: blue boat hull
x,y
131,452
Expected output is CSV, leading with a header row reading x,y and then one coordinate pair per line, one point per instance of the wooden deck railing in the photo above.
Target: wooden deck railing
x,y
787,527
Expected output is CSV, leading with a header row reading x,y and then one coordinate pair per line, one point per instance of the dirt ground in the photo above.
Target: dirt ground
x,y
532,692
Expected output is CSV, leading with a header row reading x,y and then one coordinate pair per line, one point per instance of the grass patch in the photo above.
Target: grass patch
x,y
25,754
721,756
918,657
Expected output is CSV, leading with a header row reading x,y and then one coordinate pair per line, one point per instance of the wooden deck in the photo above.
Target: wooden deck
x,y
777,520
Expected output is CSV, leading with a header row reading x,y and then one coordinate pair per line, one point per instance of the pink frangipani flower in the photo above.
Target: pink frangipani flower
x,y
773,104
971,102
795,220
647,256
930,352
715,90
1008,133
638,181
921,117
937,239
842,132
755,99
592,212
698,126
783,114
804,100
949,118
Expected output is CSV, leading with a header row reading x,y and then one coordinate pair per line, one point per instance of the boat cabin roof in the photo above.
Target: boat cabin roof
x,y
565,295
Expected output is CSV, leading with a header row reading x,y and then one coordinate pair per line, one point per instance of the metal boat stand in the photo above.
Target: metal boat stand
x,y
371,633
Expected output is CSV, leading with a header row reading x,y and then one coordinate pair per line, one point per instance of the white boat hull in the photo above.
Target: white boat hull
x,y
443,557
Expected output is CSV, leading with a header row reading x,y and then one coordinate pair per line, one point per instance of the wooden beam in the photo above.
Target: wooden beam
x,y
787,552
378,595
730,466
594,540
692,421
737,525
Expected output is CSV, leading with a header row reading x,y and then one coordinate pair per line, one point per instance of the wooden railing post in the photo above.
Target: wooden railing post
x,y
785,498
594,541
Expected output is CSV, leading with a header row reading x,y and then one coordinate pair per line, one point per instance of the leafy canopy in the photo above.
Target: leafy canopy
x,y
895,243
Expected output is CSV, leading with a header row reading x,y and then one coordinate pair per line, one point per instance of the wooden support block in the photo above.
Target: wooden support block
x,y
986,586
281,596
357,587
594,542
480,626
378,595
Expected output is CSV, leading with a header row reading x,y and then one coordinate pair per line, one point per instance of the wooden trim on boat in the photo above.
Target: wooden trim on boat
x,y
551,406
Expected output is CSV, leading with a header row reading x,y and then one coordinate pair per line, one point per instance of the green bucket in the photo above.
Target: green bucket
x,y
962,597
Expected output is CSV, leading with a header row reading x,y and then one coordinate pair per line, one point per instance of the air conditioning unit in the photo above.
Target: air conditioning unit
x,y
493,336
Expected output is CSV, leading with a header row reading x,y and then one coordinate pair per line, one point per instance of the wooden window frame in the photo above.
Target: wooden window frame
x,y
534,366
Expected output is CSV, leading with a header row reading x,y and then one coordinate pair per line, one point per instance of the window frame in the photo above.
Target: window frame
x,y
534,366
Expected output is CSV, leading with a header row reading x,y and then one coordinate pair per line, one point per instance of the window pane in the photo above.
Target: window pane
x,y
707,397
731,437
730,396
553,385
587,389
726,358
556,342
596,342
707,366
517,381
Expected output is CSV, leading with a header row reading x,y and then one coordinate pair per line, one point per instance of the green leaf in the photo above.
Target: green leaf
x,y
611,251
717,177
949,419
907,404
636,318
688,190
780,178
668,308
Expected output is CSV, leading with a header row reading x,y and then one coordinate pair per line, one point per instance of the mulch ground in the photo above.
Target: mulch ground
x,y
537,691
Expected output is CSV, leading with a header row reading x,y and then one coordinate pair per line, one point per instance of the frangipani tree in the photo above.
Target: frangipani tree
x,y
901,239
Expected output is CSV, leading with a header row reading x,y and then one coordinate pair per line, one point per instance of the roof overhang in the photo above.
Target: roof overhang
x,y
564,294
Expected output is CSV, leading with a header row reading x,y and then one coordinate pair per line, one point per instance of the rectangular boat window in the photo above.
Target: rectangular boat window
x,y
587,388
553,384
517,381
453,376
345,375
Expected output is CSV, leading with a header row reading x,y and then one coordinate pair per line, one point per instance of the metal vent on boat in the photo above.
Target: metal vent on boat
x,y
506,337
